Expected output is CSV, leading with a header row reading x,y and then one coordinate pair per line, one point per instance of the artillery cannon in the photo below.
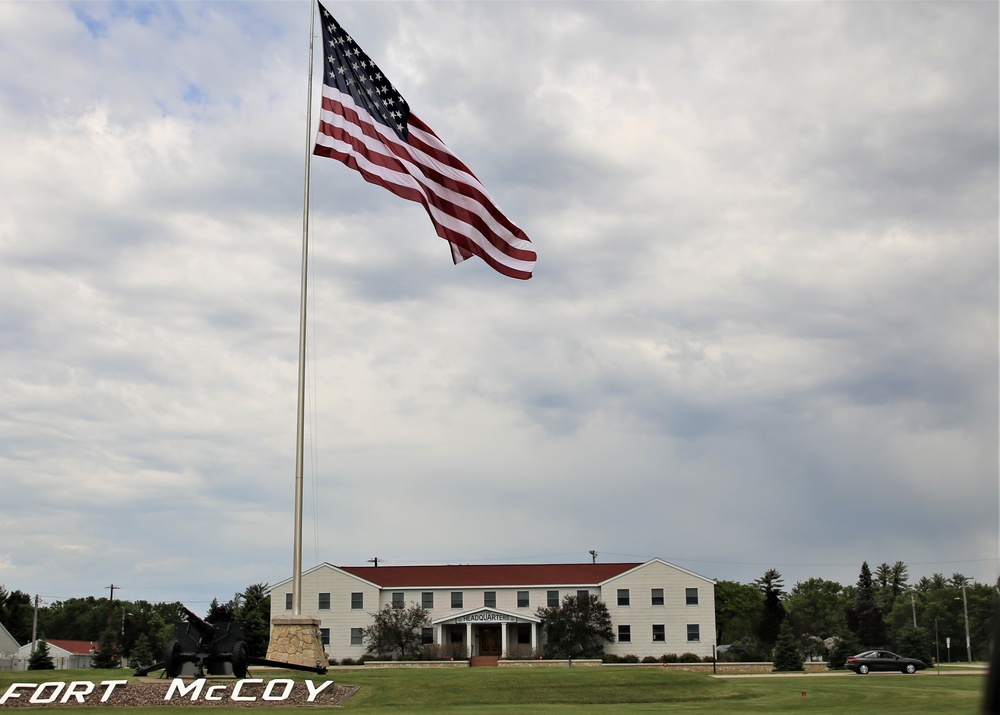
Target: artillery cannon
x,y
200,648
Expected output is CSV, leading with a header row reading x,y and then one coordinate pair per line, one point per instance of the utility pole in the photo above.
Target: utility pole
x,y
111,603
34,626
593,556
913,605
374,561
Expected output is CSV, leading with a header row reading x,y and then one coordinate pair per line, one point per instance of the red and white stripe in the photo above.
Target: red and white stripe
x,y
423,169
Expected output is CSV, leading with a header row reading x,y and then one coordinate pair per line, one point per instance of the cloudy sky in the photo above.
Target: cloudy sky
x,y
762,330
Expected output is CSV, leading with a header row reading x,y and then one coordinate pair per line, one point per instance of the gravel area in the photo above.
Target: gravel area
x,y
154,691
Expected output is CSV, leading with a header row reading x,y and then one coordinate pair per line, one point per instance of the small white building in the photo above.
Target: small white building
x,y
655,607
64,654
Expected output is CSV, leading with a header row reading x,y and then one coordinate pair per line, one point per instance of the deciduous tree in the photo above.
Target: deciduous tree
x,y
737,613
16,612
577,626
816,608
396,632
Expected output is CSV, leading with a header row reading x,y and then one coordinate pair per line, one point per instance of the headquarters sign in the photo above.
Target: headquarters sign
x,y
486,617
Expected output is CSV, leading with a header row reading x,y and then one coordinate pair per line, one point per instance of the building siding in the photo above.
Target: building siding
x,y
674,614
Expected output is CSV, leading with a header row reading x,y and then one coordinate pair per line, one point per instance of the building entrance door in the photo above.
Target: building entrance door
x,y
489,641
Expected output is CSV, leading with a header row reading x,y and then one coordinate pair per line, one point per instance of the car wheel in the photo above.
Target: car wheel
x,y
862,670
910,668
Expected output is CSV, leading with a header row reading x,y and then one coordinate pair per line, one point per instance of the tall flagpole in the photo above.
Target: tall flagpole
x,y
300,418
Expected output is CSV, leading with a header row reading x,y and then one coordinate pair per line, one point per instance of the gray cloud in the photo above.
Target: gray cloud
x,y
762,330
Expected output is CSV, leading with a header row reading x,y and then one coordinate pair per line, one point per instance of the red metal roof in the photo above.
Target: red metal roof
x,y
488,575
74,647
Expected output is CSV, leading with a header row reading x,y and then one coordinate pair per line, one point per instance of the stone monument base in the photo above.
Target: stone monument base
x,y
296,639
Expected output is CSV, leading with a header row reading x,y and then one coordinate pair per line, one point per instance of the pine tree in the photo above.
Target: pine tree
x,y
865,617
772,613
787,656
107,655
142,652
40,659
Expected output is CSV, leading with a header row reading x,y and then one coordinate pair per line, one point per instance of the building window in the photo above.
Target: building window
x,y
659,633
623,597
691,596
694,632
397,599
324,602
288,601
456,599
624,634
583,595
490,599
524,634
356,637
552,599
427,599
324,635
426,636
357,601
656,597
522,599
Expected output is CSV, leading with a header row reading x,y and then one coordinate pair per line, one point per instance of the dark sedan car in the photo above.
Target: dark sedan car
x,y
872,660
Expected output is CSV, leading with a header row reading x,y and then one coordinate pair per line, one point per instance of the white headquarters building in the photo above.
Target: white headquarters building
x,y
656,607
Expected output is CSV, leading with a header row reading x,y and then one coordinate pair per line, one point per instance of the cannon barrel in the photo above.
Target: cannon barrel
x,y
203,627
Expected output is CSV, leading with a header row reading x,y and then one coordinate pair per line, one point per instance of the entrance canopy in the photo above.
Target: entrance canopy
x,y
486,616
488,631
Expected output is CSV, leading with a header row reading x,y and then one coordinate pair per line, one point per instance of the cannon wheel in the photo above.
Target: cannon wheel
x,y
240,659
174,661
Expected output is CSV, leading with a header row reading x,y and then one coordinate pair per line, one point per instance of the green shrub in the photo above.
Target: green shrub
x,y
670,658
842,649
521,651
689,658
650,659
630,658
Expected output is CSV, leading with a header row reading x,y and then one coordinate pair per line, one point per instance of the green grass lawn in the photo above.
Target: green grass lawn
x,y
597,690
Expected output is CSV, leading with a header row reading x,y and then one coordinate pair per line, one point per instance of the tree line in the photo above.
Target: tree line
x,y
883,609
821,619
136,630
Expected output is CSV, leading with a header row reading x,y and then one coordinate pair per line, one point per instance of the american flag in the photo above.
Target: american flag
x,y
367,125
